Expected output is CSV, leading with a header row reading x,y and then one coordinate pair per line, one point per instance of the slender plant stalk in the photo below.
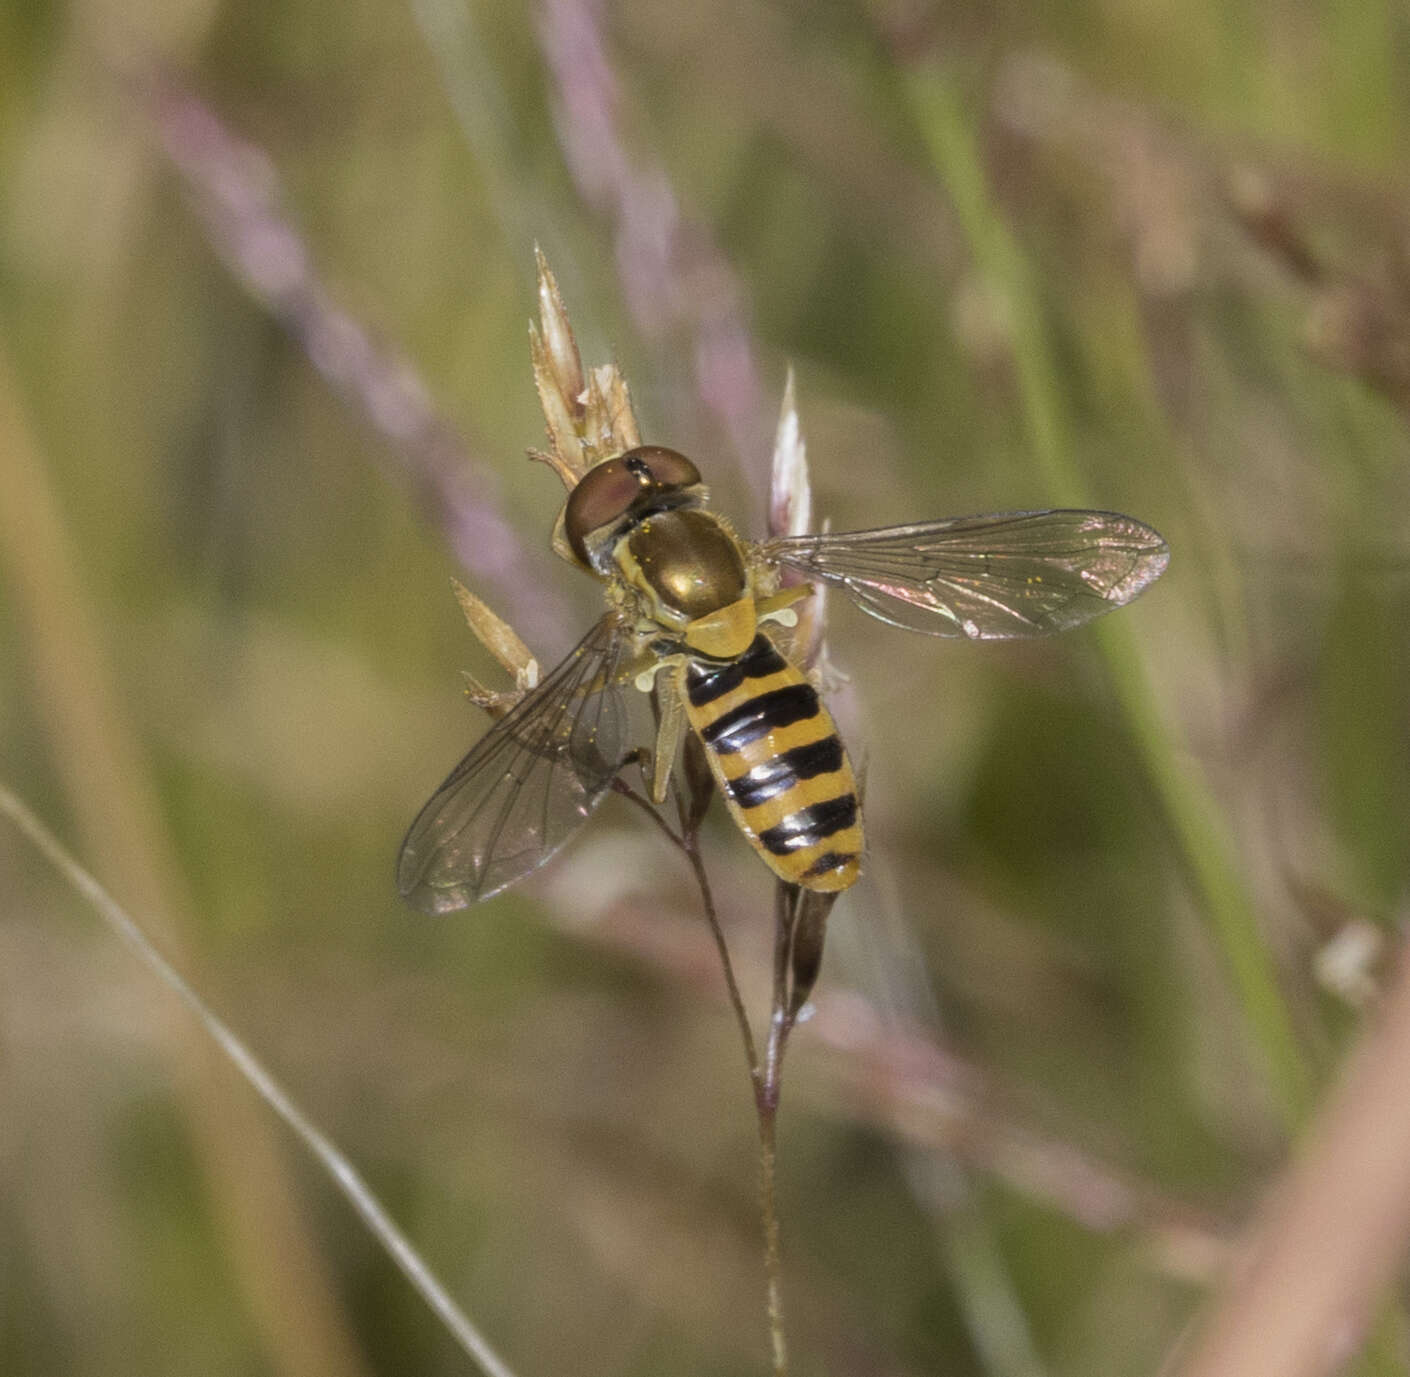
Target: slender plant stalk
x,y
1332,1235
736,999
1190,805
765,1079
764,1075
1194,813
773,1254
687,842
768,1088
109,785
239,201
339,1169
675,280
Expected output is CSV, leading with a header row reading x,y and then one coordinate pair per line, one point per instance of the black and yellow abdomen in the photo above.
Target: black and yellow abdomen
x,y
780,765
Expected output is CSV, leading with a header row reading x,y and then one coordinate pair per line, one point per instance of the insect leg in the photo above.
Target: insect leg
x,y
670,725
778,607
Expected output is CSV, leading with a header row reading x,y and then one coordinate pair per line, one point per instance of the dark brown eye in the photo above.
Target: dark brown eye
x,y
669,468
639,481
603,496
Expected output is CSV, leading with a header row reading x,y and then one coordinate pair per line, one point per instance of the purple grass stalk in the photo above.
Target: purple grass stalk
x,y
674,278
236,193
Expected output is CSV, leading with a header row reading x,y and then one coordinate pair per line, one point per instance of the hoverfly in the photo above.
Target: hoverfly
x,y
688,604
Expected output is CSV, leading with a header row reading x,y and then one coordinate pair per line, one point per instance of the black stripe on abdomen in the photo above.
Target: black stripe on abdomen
x,y
780,707
810,825
704,683
827,863
770,778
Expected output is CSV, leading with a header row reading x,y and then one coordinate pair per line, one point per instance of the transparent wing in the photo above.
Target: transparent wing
x,y
531,781
986,577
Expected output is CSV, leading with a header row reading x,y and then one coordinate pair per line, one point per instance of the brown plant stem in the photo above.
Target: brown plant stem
x,y
768,1090
764,1076
765,1079
688,843
898,1080
773,1255
1333,1233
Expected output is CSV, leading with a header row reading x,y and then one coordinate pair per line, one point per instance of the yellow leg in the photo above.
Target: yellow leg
x,y
668,732
778,607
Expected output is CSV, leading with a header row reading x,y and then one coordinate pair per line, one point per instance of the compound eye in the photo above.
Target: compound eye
x,y
669,468
632,485
602,497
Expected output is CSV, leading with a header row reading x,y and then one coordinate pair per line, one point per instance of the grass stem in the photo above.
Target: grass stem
x,y
342,1172
1195,815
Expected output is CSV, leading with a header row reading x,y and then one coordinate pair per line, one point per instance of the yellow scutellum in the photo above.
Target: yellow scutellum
x,y
589,414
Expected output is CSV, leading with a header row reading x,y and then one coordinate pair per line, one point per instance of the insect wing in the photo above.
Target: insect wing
x,y
995,577
526,787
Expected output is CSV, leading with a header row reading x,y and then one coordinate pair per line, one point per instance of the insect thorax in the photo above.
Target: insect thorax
x,y
688,572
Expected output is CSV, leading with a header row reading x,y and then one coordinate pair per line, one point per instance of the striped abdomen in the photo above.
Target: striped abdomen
x,y
780,765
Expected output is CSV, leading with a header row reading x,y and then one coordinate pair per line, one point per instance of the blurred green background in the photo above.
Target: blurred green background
x,y
1126,887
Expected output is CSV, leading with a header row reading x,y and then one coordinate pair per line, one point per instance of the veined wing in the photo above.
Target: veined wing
x,y
531,781
986,577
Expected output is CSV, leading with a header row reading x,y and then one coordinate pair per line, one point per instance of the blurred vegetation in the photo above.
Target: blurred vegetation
x,y
1148,258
